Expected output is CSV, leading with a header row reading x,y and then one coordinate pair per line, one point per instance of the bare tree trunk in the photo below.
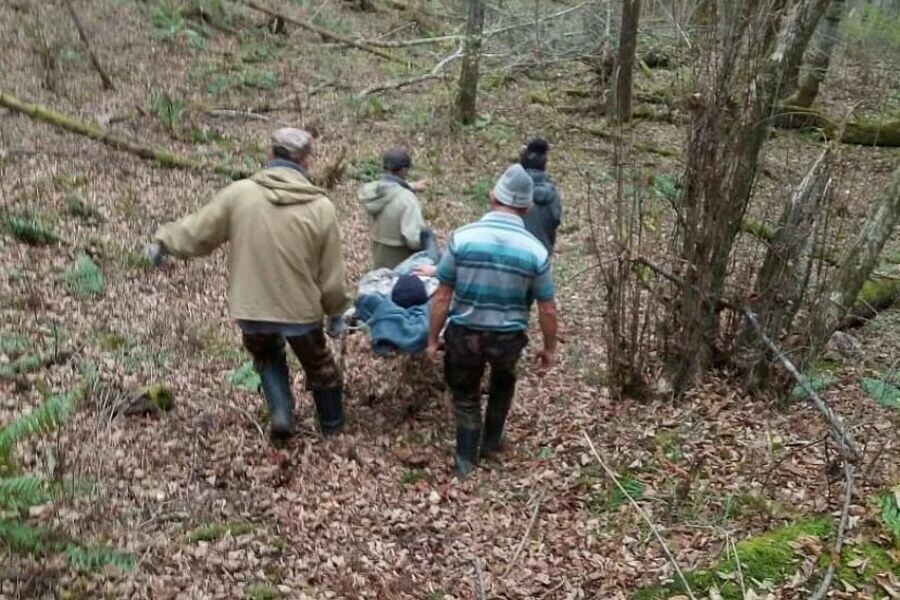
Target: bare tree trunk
x,y
467,94
726,136
781,282
631,10
820,55
856,267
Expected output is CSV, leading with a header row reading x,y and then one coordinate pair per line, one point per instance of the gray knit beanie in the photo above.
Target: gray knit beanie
x,y
514,188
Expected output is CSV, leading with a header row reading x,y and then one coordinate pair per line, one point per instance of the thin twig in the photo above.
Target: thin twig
x,y
521,546
737,563
327,33
107,81
479,579
250,418
244,114
435,73
840,434
820,592
458,36
643,514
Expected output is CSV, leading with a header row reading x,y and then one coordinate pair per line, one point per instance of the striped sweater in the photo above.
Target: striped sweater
x,y
496,269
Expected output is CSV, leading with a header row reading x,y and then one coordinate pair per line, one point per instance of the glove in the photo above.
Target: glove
x,y
155,253
337,327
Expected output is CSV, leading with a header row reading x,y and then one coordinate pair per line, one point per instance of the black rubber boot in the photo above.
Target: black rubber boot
x,y
466,458
276,386
330,409
502,389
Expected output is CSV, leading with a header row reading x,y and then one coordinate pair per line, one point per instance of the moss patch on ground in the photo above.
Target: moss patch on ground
x,y
768,556
214,531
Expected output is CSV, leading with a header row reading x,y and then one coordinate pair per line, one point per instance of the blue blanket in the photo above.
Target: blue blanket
x,y
391,327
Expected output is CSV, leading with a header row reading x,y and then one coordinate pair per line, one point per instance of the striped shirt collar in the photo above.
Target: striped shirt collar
x,y
501,217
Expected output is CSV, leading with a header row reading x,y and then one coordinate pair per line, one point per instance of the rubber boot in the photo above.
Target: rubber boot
x,y
502,390
276,386
466,457
330,409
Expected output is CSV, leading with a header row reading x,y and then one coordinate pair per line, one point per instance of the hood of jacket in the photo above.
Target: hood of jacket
x,y
376,195
544,190
285,185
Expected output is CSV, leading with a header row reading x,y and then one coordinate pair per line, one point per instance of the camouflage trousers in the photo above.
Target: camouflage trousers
x,y
468,353
311,349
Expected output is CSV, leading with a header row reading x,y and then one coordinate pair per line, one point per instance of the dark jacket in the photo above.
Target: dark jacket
x,y
544,217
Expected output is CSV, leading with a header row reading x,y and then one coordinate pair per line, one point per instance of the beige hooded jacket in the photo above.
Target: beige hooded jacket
x,y
395,213
285,261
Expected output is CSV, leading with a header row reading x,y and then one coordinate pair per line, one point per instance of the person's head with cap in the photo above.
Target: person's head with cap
x,y
513,191
534,154
295,145
396,161
409,291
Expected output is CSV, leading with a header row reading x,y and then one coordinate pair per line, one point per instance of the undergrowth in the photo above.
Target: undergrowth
x,y
769,557
19,493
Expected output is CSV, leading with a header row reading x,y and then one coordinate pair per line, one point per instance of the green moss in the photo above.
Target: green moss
x,y
412,476
861,563
214,531
85,278
878,292
159,395
764,557
261,591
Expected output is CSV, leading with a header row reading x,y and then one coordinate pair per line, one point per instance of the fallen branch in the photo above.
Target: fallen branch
x,y
240,114
653,530
862,133
459,36
521,546
164,158
435,73
822,590
327,33
107,81
839,433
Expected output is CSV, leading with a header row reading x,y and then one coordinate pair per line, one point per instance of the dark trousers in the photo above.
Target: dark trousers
x,y
467,353
311,349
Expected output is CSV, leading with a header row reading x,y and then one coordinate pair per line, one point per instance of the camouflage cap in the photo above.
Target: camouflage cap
x,y
294,141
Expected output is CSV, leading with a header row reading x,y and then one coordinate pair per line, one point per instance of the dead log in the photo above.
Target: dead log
x,y
327,33
860,133
164,158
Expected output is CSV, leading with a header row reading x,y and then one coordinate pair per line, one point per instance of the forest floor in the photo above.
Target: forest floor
x,y
209,509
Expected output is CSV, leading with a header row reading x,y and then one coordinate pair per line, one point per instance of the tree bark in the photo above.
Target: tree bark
x,y
855,268
781,282
820,55
631,10
467,94
724,144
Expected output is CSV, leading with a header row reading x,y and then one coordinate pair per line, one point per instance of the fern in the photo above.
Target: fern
x,y
890,511
94,558
22,492
43,419
23,538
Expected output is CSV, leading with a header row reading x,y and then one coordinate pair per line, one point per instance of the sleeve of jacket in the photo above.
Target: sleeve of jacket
x,y
412,224
200,232
331,268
